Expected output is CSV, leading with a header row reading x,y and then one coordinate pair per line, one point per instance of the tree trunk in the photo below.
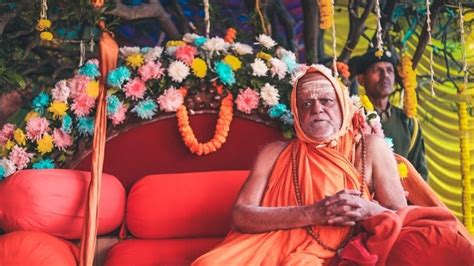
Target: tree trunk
x,y
311,30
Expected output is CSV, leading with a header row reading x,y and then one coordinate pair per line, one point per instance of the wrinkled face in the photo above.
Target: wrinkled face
x,y
378,80
319,110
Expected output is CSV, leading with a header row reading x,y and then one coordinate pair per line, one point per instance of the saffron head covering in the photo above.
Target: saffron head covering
x,y
346,105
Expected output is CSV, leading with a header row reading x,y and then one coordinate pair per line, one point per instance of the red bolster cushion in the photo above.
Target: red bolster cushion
x,y
53,201
36,248
183,205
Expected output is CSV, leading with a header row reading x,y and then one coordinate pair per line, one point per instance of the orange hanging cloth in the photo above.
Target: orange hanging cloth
x,y
108,55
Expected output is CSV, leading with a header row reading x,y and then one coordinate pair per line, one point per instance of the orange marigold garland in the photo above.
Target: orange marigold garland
x,y
325,14
409,83
230,35
220,135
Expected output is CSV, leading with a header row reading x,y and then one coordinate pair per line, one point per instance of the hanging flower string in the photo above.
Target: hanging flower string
x,y
44,24
220,134
379,52
408,76
464,136
334,52
325,14
430,44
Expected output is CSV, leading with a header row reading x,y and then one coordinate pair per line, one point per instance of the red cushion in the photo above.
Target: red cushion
x,y
52,201
36,248
157,146
159,252
183,205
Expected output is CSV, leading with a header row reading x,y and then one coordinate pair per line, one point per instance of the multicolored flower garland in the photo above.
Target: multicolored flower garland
x,y
148,82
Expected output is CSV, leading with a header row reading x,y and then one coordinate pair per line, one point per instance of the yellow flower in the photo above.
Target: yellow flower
x,y
43,24
45,144
199,67
92,89
9,145
46,35
409,83
233,62
264,56
30,115
325,14
366,103
402,170
379,53
174,43
135,60
19,137
58,109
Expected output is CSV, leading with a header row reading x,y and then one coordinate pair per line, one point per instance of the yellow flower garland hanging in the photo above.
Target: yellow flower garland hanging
x,y
325,14
409,83
220,135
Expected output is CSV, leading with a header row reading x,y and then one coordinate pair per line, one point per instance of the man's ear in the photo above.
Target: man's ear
x,y
361,80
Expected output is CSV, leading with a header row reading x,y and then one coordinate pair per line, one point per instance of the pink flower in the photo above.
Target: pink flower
x,y
61,91
247,100
186,53
20,157
151,70
36,127
170,100
135,89
61,140
82,105
118,117
78,85
6,133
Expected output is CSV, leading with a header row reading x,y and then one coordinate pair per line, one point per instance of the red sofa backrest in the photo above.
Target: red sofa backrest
x,y
183,205
157,148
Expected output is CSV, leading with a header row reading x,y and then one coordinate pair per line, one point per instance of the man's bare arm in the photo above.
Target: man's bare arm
x,y
250,217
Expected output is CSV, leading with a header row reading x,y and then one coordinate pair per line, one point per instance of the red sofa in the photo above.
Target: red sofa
x,y
175,218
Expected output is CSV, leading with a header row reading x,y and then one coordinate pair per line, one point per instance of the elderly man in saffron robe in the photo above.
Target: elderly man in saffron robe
x,y
333,195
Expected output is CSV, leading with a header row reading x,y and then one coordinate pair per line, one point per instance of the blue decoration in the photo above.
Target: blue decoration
x,y
90,70
2,173
66,125
389,142
40,102
44,164
277,110
200,41
85,126
290,63
145,109
113,104
118,76
225,73
287,118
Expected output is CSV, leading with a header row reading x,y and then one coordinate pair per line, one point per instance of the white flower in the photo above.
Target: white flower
x,y
278,68
8,166
61,91
171,50
373,118
269,94
127,50
259,68
153,54
215,44
190,37
266,41
356,101
178,71
282,52
242,49
93,61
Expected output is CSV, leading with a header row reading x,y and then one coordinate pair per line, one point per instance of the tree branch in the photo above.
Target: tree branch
x,y
153,9
356,27
424,38
5,18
